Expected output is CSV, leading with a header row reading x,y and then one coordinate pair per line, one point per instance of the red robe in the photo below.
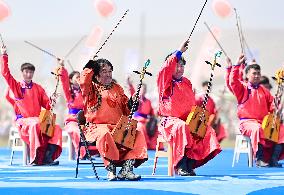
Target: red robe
x,y
254,103
74,104
142,115
113,104
176,98
29,99
211,108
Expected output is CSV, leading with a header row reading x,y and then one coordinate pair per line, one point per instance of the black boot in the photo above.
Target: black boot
x,y
51,148
126,172
259,157
190,163
182,167
111,174
275,156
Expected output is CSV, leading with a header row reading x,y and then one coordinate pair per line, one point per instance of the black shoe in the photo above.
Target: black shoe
x,y
192,173
126,172
260,163
182,172
275,164
53,163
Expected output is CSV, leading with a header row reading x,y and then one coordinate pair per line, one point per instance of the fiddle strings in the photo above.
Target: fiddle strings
x,y
96,54
215,39
239,32
197,19
244,40
44,51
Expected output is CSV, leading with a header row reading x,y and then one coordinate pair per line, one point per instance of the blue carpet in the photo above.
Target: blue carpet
x,y
216,177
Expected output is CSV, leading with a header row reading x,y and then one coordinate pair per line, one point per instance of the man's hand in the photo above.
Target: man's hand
x,y
229,62
241,60
184,46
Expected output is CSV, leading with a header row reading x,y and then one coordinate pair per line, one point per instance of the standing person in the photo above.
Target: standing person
x,y
74,99
104,104
30,97
144,114
214,121
254,103
176,98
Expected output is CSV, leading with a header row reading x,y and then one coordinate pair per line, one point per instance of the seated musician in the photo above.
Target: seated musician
x,y
176,98
254,103
74,100
30,97
104,104
215,122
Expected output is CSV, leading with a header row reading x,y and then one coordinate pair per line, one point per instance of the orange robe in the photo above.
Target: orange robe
x,y
254,102
29,99
142,115
221,132
113,104
74,104
176,98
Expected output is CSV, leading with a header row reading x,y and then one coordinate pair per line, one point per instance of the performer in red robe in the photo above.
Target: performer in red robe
x,y
104,104
219,128
30,97
143,115
74,99
255,102
176,99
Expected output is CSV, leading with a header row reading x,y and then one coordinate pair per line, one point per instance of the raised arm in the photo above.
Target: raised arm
x,y
65,83
165,75
5,71
236,84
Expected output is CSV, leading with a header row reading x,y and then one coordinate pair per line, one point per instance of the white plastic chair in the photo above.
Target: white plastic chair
x,y
242,145
18,145
67,143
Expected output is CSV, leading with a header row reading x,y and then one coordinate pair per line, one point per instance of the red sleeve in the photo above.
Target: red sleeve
x,y
242,67
45,101
13,84
236,84
86,81
227,77
9,98
165,75
65,83
131,89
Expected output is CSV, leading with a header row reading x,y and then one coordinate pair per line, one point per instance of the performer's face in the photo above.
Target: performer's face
x,y
28,75
179,71
75,79
253,76
105,75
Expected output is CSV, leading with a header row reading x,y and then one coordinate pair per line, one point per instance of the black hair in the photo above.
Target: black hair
x,y
27,66
71,75
181,59
252,66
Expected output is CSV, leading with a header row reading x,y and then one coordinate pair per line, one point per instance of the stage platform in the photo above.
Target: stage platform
x,y
216,177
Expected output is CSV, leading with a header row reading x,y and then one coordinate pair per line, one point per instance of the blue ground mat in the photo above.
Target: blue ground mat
x,y
216,177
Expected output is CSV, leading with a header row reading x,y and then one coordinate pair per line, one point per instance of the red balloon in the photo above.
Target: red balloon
x,y
222,8
104,7
4,11
94,37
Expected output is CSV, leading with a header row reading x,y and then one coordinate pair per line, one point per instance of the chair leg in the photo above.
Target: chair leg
x,y
25,154
170,160
78,159
250,164
11,158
